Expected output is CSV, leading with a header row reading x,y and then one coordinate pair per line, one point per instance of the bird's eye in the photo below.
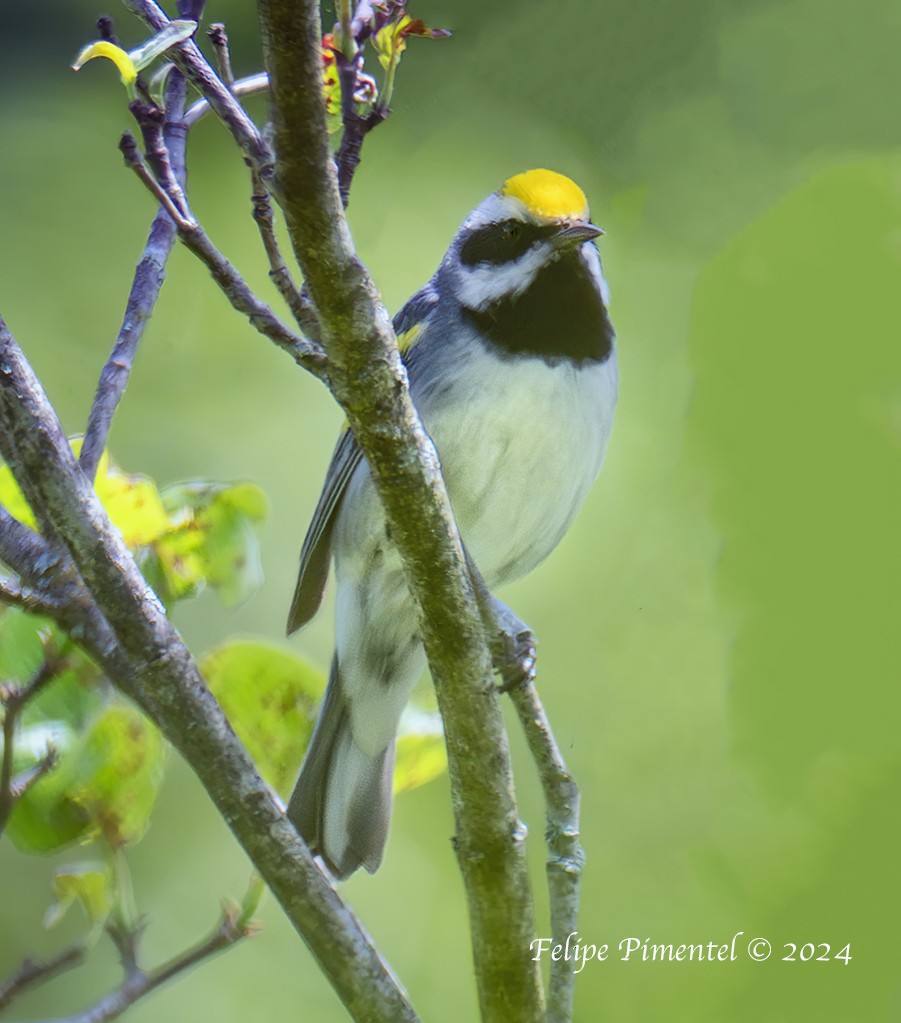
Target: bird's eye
x,y
496,243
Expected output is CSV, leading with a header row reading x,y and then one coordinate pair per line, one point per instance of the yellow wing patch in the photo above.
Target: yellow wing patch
x,y
547,194
406,340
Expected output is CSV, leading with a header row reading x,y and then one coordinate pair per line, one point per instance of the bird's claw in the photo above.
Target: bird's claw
x,y
515,658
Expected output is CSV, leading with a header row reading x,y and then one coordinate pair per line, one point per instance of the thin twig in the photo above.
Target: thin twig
x,y
14,699
148,280
106,29
137,982
230,281
128,634
134,160
355,128
219,38
252,85
20,547
151,120
348,61
36,971
566,858
195,66
165,186
46,570
13,593
297,301
345,18
24,781
191,9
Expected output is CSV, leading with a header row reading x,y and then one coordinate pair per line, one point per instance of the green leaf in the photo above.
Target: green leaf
x,y
249,904
105,784
71,696
74,696
214,540
189,536
391,40
120,769
21,642
91,885
47,817
269,695
44,818
421,754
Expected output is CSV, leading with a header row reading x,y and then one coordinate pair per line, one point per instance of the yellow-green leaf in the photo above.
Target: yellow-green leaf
x,y
104,785
118,772
269,695
213,540
47,817
133,504
91,885
12,498
421,754
390,41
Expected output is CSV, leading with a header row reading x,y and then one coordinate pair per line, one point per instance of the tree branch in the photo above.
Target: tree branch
x,y
219,38
368,379
13,593
566,858
137,982
48,582
194,65
145,289
20,547
299,304
230,282
252,85
14,699
130,636
354,127
34,971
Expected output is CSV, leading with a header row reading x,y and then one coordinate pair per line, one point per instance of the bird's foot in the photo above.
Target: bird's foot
x,y
514,649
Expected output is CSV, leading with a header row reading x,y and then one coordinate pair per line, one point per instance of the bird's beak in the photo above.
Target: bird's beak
x,y
575,233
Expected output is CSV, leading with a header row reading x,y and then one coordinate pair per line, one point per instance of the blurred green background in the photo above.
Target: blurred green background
x,y
719,632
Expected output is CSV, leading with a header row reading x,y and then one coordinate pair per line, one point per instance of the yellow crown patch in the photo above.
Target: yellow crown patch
x,y
545,193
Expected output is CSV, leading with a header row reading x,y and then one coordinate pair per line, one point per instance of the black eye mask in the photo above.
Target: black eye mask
x,y
502,242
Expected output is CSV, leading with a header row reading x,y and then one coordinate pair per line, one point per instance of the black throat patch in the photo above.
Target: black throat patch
x,y
561,315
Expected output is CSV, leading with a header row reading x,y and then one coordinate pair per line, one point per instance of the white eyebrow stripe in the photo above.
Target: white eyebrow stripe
x,y
485,283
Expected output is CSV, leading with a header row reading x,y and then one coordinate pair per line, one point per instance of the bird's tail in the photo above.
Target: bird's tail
x,y
341,805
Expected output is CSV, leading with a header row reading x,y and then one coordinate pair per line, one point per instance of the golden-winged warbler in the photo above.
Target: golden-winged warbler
x,y
512,367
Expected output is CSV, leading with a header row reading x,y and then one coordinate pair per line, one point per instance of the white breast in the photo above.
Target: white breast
x,y
520,443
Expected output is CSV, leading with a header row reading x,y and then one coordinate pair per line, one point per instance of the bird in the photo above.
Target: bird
x,y
511,360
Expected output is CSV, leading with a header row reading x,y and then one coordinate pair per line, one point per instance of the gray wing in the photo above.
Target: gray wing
x,y
316,553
